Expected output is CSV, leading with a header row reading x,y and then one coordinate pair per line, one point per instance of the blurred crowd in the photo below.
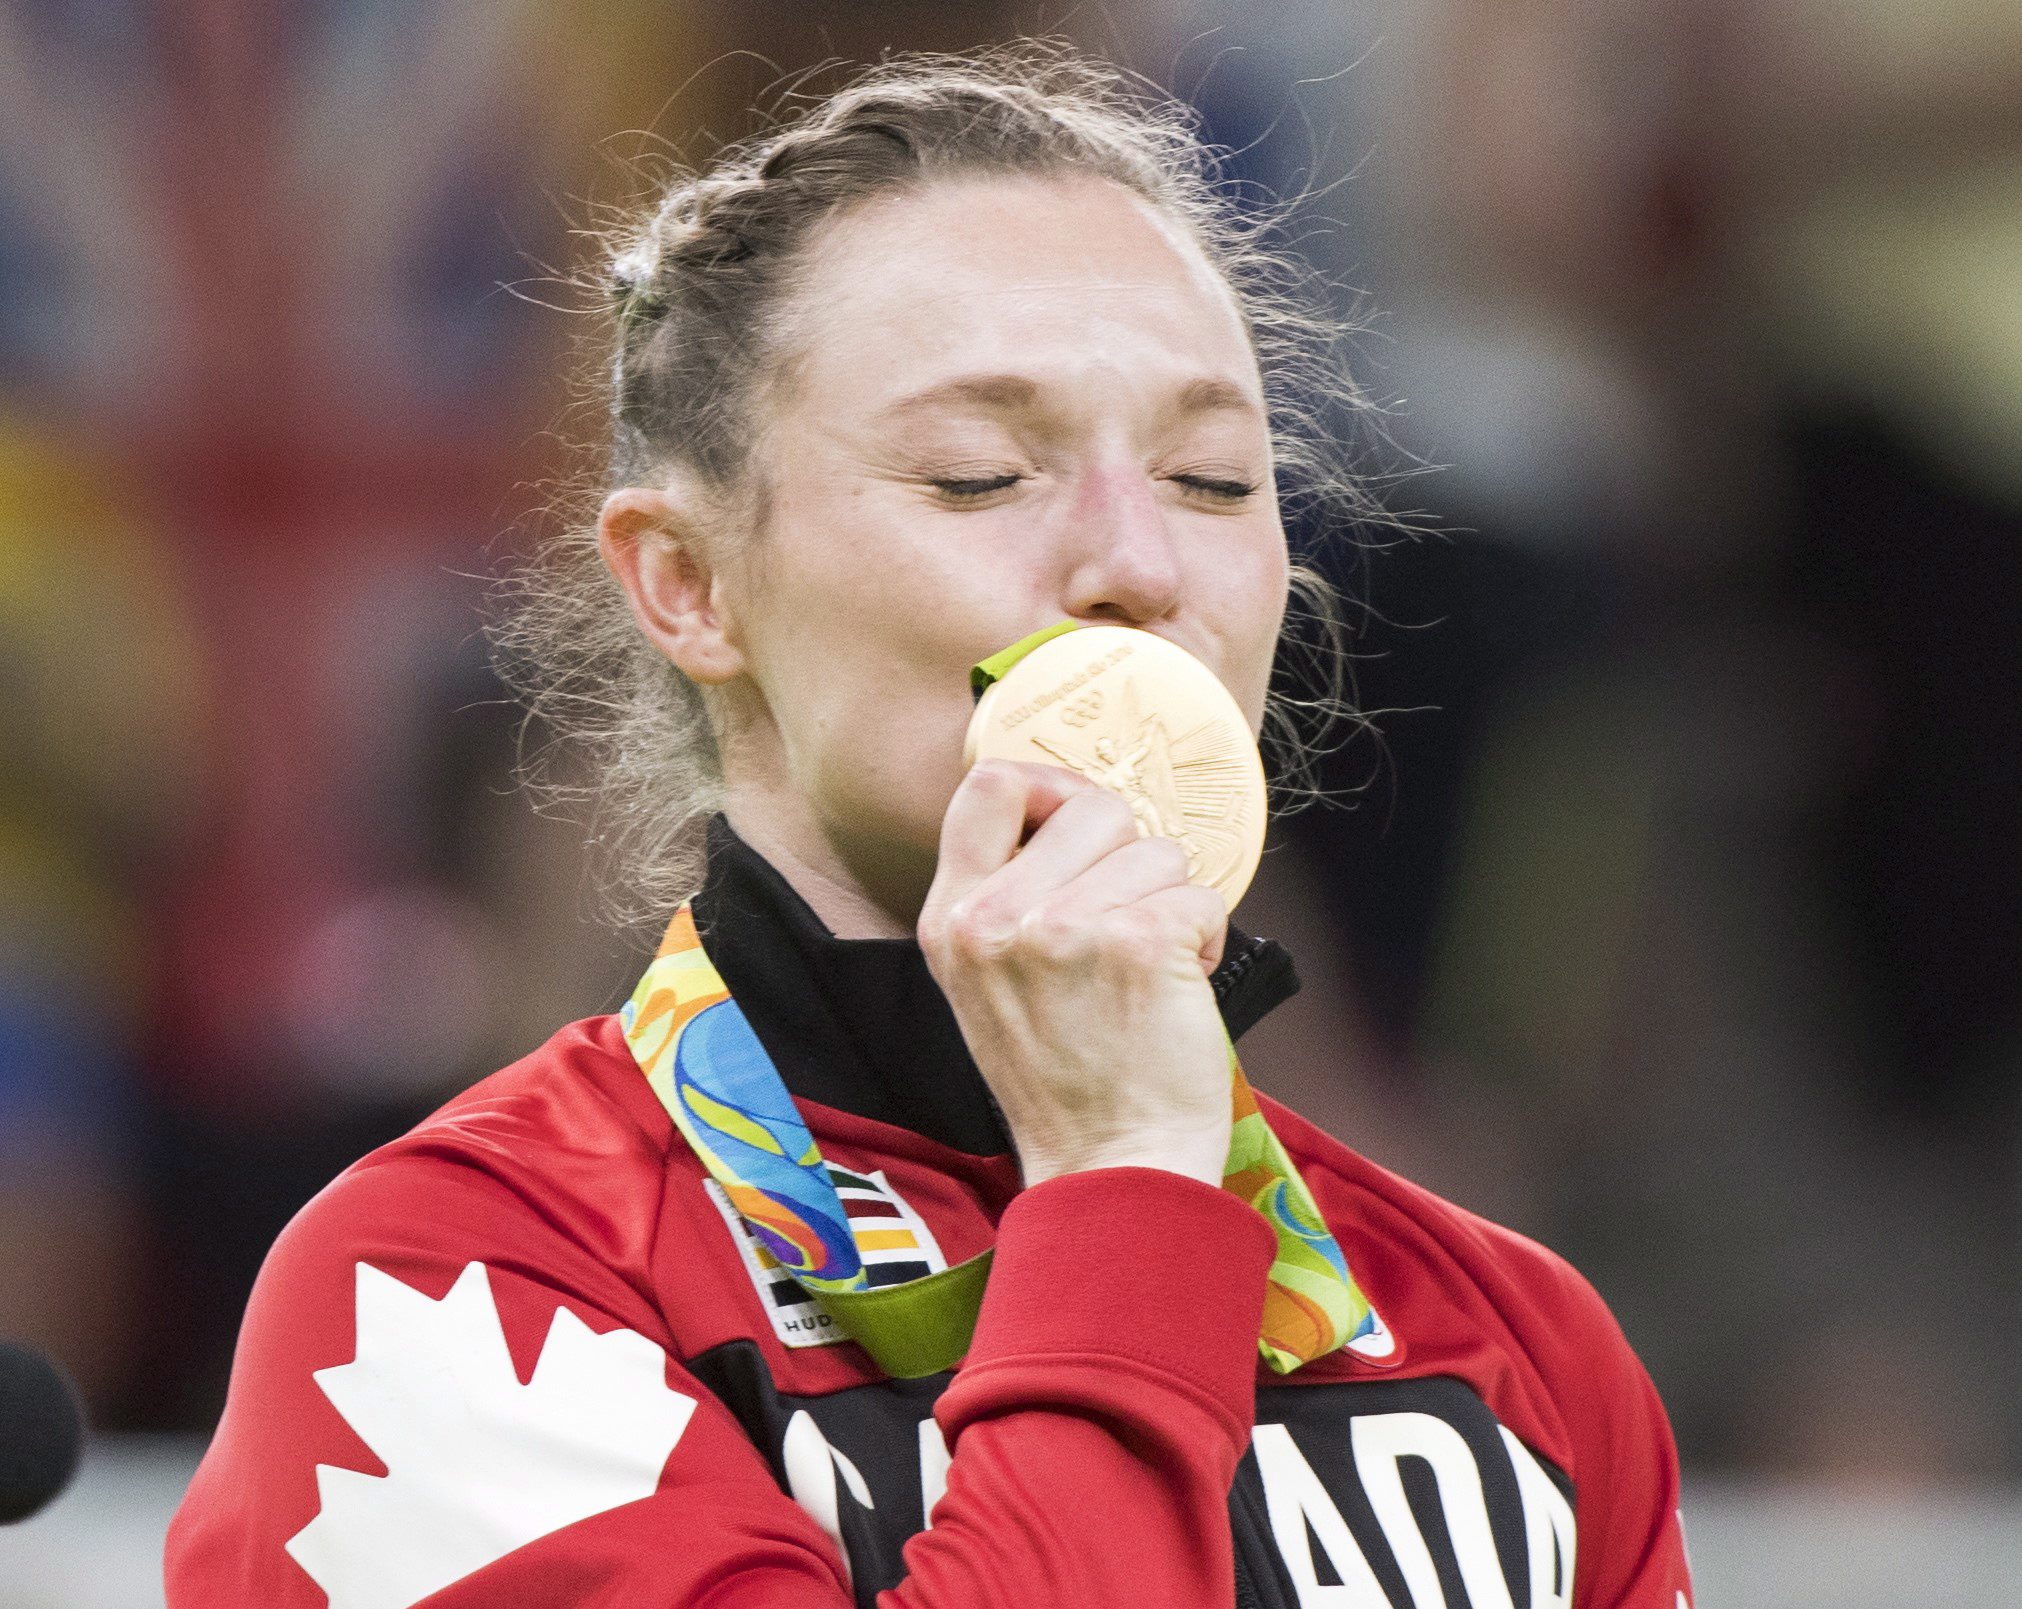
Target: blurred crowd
x,y
1670,906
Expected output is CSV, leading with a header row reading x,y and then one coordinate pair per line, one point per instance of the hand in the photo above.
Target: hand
x,y
1077,966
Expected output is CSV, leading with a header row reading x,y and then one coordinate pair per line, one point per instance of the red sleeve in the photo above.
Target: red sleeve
x,y
1095,1436
440,1396
1631,1552
1631,1531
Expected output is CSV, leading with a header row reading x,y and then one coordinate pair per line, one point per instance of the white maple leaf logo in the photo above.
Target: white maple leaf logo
x,y
477,1464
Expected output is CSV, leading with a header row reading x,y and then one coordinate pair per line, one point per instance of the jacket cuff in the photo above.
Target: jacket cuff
x,y
1135,1264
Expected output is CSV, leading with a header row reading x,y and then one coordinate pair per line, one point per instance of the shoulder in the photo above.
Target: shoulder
x,y
537,1188
1535,1290
1469,1296
578,1102
1470,1299
556,1161
503,1242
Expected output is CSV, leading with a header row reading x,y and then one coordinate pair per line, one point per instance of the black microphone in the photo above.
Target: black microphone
x,y
41,1431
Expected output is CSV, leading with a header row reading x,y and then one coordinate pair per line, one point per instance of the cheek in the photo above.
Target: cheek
x,y
862,638
847,553
874,732
1243,598
900,591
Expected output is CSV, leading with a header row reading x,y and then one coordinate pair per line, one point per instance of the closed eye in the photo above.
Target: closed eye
x,y
1227,491
973,489
963,491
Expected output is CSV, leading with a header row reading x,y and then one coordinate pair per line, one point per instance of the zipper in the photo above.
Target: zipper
x,y
1255,974
1234,965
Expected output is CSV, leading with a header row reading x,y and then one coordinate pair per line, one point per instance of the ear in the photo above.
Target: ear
x,y
650,541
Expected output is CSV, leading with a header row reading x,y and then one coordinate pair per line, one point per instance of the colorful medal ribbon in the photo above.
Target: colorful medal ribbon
x,y
706,1066
696,1048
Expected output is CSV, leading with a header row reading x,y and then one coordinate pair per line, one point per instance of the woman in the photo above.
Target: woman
x,y
966,351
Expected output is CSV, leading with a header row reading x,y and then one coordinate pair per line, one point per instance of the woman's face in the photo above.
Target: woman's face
x,y
1011,401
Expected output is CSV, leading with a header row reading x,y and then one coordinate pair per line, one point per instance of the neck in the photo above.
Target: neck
x,y
851,904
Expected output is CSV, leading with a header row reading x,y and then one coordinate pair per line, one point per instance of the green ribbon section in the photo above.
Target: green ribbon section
x,y
918,1328
993,668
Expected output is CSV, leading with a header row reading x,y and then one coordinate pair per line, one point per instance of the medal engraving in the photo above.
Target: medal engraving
x,y
1140,716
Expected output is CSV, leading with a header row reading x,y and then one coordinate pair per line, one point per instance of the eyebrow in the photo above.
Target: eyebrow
x,y
1011,393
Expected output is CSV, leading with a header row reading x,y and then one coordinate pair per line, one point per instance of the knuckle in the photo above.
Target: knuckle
x,y
985,775
1110,811
1169,855
932,928
994,779
1117,808
1205,908
1051,934
976,928
1136,936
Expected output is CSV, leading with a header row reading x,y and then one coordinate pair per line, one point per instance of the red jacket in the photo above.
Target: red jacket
x,y
523,1356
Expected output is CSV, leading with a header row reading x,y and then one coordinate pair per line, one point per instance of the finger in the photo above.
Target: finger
x,y
1052,786
1123,876
1201,913
1076,838
993,808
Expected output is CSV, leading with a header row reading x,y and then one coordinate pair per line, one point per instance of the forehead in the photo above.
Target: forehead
x,y
1049,276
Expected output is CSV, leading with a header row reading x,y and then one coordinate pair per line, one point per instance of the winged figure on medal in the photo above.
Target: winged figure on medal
x,y
1189,788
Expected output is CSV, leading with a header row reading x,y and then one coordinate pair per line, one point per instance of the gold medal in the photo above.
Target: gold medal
x,y
1142,717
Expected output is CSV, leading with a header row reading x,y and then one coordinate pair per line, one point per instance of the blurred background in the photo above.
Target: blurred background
x,y
1674,916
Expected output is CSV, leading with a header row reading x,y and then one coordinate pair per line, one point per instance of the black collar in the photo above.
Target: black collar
x,y
860,1025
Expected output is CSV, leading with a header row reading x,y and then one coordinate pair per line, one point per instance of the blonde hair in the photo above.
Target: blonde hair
x,y
690,298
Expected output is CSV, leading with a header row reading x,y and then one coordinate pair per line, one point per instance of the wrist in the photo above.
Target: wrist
x,y
1192,1158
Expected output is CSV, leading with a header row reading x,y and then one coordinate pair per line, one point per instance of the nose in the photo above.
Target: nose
x,y
1126,564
